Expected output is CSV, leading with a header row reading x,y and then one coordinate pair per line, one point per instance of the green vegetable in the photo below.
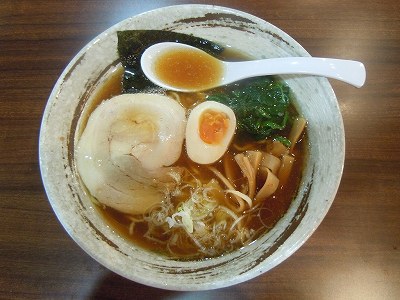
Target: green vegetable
x,y
132,43
261,107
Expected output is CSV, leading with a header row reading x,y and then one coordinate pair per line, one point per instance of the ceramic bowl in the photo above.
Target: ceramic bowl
x,y
62,122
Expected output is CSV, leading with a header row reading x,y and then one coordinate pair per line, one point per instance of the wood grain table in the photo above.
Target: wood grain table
x,y
354,254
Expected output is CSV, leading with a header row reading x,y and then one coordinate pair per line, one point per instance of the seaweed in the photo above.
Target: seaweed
x,y
132,44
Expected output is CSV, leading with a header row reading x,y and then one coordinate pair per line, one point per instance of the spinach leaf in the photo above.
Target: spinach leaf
x,y
261,107
132,43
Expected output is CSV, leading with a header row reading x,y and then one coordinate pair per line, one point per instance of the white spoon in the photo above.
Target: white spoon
x,y
352,72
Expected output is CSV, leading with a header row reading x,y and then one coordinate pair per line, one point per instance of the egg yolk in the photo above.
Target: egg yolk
x,y
213,126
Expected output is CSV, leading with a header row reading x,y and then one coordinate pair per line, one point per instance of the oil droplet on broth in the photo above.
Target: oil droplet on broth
x,y
188,69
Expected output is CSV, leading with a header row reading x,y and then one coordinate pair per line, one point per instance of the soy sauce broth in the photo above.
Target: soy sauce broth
x,y
188,69
272,209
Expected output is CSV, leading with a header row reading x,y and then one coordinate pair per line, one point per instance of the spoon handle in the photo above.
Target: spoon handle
x,y
349,71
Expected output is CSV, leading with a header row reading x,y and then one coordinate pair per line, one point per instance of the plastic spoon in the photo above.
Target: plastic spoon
x,y
349,71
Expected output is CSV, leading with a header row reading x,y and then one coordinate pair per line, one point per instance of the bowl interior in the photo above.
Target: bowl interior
x,y
62,123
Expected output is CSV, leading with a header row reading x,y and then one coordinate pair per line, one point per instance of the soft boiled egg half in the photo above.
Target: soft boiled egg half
x,y
209,131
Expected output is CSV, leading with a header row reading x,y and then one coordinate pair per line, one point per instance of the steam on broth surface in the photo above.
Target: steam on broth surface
x,y
207,210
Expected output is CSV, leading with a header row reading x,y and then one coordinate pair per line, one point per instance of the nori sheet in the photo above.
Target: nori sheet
x,y
132,44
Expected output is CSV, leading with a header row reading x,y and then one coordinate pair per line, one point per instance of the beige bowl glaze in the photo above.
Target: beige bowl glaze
x,y
62,123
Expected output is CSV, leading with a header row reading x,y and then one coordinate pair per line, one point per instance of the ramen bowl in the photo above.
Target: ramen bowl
x,y
63,122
